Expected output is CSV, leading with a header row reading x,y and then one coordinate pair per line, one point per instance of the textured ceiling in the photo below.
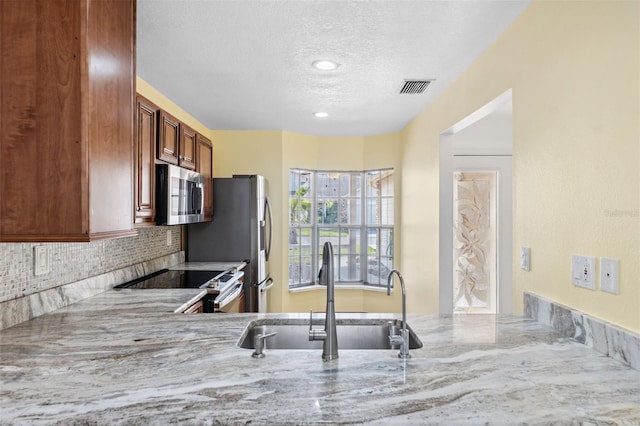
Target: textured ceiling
x,y
246,64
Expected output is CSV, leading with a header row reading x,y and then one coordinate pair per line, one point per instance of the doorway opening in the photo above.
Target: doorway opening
x,y
476,212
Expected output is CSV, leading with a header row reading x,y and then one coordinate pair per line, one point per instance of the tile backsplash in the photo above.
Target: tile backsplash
x,y
70,262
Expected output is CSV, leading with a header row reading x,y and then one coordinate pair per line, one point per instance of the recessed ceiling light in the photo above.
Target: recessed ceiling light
x,y
325,65
320,114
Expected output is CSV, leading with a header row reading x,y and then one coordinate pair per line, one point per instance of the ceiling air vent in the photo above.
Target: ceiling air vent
x,y
414,87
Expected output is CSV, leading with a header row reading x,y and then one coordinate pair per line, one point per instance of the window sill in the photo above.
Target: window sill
x,y
338,287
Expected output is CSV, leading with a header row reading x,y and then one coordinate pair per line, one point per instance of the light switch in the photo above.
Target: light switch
x,y
169,239
525,258
583,269
609,275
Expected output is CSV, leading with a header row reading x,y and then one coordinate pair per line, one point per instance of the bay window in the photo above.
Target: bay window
x,y
352,210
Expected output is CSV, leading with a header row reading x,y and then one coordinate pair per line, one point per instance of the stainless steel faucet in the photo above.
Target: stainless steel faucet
x,y
330,346
404,344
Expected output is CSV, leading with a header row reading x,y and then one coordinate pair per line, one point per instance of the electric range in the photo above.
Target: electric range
x,y
222,286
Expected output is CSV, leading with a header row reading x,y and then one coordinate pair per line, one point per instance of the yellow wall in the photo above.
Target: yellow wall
x,y
150,92
575,74
272,154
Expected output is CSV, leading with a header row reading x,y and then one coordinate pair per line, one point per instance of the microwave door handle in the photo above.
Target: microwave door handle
x,y
195,199
200,199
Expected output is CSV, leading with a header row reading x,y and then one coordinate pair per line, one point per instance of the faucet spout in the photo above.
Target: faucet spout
x,y
329,335
404,349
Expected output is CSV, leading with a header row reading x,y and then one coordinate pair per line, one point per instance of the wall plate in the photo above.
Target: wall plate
x,y
40,260
525,258
609,275
583,271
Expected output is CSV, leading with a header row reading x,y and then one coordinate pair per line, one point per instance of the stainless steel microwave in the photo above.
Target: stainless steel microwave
x,y
178,195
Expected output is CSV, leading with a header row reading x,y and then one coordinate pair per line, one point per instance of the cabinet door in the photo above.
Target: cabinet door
x,y
168,138
204,165
144,161
187,157
67,125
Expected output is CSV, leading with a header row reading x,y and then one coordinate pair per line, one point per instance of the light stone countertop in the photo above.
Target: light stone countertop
x,y
122,357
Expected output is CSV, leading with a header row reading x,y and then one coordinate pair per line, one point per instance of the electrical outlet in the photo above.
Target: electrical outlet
x,y
609,275
40,260
525,258
169,239
583,270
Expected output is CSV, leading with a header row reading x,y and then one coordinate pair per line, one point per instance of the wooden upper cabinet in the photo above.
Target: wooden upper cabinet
x,y
67,85
204,165
168,138
187,156
144,161
176,142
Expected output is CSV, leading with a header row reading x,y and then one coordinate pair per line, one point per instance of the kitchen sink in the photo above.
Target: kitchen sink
x,y
352,334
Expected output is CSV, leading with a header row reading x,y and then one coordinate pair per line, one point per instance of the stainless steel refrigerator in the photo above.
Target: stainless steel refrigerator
x,y
240,231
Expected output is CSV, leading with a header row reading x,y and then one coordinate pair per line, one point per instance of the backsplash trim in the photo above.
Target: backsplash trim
x,y
606,338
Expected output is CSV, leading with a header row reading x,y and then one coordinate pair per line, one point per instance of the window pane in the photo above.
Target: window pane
x,y
332,235
324,235
386,211
380,255
349,255
327,211
386,242
386,183
378,270
349,268
300,270
300,197
350,184
350,211
300,239
327,185
373,184
373,211
349,242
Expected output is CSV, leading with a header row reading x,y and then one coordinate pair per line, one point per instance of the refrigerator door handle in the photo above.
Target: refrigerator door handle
x,y
267,209
268,284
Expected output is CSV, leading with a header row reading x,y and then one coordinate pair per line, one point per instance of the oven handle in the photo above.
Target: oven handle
x,y
228,297
215,281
